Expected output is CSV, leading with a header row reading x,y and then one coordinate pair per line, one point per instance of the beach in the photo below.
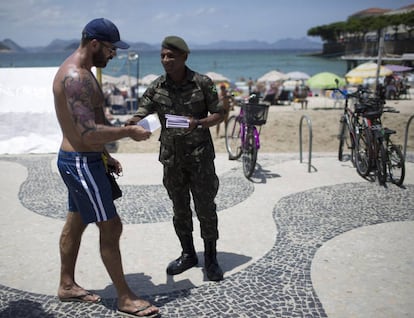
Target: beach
x,y
280,134
29,125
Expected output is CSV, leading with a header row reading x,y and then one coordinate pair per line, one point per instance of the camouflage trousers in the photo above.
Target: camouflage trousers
x,y
199,180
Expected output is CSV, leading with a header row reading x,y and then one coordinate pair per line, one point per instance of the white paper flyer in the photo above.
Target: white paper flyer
x,y
175,121
150,122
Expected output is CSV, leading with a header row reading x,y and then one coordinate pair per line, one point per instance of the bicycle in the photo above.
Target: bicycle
x,y
363,142
349,125
383,156
242,136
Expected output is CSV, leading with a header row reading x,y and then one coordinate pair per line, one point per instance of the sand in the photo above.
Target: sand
x,y
281,132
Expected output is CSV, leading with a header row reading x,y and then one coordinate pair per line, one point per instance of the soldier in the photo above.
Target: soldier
x,y
187,154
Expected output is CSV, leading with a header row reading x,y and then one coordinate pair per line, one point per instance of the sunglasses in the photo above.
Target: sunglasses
x,y
112,49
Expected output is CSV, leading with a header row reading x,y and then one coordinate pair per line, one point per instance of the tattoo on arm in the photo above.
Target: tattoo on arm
x,y
79,91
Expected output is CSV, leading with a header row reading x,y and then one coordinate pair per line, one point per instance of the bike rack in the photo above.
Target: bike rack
x,y
406,135
310,140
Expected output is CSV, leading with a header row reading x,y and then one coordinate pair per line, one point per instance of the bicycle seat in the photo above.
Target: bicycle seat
x,y
389,131
360,108
372,114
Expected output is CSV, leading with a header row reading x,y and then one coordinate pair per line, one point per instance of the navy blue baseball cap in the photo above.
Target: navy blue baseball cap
x,y
104,30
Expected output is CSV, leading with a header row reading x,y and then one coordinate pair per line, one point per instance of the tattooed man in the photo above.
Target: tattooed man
x,y
82,163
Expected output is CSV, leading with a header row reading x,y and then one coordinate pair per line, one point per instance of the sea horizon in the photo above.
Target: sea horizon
x,y
235,64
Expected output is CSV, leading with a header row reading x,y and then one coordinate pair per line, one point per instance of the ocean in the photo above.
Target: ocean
x,y
234,64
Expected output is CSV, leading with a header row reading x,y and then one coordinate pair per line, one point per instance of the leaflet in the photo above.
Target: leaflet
x,y
150,122
175,121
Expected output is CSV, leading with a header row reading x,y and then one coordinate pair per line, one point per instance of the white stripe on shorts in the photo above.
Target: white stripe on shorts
x,y
96,203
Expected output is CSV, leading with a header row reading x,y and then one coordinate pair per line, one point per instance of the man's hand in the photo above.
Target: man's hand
x,y
114,166
138,133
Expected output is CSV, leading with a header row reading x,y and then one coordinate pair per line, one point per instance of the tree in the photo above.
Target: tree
x,y
407,20
329,32
358,27
326,33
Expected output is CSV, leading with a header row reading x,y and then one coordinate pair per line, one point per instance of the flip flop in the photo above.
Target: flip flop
x,y
80,299
134,313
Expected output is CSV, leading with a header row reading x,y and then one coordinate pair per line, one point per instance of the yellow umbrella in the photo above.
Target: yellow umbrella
x,y
365,70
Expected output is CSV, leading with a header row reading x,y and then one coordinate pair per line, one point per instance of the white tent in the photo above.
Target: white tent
x,y
27,112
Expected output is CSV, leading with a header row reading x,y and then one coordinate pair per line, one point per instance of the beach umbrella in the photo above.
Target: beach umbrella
x,y
398,68
109,79
291,84
297,75
127,80
217,77
272,76
325,80
365,70
123,80
148,79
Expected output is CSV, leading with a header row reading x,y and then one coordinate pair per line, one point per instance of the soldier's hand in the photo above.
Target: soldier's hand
x,y
132,121
194,123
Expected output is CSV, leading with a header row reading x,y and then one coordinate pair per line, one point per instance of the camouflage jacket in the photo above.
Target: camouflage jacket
x,y
196,97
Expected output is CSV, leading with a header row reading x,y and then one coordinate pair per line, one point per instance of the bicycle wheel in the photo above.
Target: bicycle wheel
x,y
249,155
396,165
381,163
344,141
362,151
233,137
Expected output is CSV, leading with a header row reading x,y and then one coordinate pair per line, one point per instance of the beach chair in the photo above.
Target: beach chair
x,y
404,92
270,98
284,97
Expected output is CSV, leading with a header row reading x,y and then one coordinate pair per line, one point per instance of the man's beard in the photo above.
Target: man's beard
x,y
99,59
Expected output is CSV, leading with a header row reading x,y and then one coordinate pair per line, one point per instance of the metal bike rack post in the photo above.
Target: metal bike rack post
x,y
406,135
310,140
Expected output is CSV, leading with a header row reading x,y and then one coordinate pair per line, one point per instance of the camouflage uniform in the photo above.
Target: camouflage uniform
x,y
187,156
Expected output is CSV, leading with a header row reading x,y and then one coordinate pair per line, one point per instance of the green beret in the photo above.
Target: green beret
x,y
173,42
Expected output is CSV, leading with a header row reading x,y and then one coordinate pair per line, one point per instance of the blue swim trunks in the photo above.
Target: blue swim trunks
x,y
89,189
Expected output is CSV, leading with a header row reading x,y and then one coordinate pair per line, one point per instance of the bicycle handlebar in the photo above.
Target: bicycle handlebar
x,y
358,94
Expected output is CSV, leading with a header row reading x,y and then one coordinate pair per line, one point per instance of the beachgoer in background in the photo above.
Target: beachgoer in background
x,y
301,95
226,101
250,84
187,154
390,87
271,94
79,103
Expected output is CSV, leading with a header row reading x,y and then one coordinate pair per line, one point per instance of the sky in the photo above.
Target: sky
x,y
38,22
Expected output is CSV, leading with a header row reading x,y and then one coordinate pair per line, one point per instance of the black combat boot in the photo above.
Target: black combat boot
x,y
213,270
187,259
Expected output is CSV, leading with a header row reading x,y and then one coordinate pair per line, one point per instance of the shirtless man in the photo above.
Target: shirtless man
x,y
79,103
